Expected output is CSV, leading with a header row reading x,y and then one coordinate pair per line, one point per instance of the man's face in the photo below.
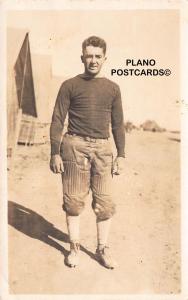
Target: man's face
x,y
93,59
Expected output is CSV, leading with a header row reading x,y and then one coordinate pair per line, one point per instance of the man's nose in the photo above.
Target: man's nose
x,y
94,60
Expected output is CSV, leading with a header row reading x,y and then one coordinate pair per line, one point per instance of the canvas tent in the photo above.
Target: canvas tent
x,y
129,126
42,74
38,96
20,85
46,89
151,125
33,132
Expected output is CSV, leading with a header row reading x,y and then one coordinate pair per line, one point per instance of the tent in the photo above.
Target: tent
x,y
151,125
20,85
129,126
46,89
38,96
32,131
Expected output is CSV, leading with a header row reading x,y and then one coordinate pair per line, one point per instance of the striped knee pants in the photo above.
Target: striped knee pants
x,y
87,165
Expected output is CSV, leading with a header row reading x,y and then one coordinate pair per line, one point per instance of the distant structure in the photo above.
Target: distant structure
x,y
150,125
129,126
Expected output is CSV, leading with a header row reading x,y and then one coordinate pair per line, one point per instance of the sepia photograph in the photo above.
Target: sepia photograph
x,y
93,104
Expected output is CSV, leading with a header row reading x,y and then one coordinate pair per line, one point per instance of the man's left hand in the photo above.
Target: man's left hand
x,y
119,165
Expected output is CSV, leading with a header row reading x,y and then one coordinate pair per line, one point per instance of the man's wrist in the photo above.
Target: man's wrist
x,y
55,148
56,154
121,155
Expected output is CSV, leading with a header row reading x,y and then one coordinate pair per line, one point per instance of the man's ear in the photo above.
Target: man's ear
x,y
82,58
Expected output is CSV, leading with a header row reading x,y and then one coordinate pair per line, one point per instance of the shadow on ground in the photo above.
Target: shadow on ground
x,y
175,140
35,226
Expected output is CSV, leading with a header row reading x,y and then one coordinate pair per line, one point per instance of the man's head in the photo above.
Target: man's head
x,y
93,55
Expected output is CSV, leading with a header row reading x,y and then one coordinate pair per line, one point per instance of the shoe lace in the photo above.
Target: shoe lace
x,y
75,246
103,250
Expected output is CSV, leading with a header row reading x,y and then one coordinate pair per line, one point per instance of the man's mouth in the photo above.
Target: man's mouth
x,y
93,67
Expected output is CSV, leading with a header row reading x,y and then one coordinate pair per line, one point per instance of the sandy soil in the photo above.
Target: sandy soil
x,y
145,233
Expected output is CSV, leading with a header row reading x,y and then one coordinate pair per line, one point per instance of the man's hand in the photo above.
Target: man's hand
x,y
56,164
119,166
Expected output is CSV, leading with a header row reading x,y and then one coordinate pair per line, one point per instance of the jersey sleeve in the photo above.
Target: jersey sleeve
x,y
58,118
117,118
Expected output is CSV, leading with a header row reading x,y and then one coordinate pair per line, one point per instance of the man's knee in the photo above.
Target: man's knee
x,y
103,209
72,206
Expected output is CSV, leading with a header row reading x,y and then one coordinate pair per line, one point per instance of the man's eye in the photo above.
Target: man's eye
x,y
96,56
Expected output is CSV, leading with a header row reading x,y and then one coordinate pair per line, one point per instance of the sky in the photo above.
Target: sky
x,y
130,34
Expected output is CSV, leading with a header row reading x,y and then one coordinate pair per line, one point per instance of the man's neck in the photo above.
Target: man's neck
x,y
88,75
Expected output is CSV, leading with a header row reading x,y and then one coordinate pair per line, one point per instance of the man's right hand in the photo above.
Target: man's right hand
x,y
56,164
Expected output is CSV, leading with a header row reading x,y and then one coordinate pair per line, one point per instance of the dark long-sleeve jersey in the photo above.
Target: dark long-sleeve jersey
x,y
92,104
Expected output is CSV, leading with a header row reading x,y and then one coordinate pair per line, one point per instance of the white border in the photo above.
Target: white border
x,y
91,4
184,147
3,164
94,5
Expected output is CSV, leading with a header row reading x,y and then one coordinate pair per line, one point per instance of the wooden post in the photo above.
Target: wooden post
x,y
34,130
16,136
28,137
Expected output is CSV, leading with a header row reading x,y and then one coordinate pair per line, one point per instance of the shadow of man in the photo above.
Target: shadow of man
x,y
32,224
175,140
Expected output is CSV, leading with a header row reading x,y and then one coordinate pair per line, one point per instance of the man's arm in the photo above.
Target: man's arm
x,y
58,118
118,131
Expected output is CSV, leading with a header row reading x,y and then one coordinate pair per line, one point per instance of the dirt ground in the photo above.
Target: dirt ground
x,y
145,232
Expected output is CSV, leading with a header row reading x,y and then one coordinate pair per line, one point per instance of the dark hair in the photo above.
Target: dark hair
x,y
94,41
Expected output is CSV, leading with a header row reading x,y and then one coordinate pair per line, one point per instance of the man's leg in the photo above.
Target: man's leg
x,y
102,251
76,183
103,228
73,226
103,206
73,205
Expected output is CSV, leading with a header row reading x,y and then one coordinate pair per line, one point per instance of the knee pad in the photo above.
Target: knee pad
x,y
72,205
103,210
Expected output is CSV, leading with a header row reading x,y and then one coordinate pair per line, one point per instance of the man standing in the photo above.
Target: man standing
x,y
84,155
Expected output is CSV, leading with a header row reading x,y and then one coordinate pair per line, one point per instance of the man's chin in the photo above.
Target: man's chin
x,y
93,72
